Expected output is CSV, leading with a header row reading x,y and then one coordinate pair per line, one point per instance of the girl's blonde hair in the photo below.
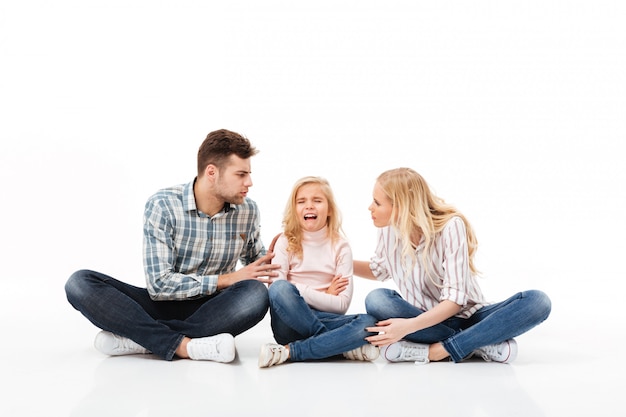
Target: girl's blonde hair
x,y
291,222
416,207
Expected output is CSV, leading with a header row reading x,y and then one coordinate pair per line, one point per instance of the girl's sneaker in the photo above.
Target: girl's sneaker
x,y
272,354
367,352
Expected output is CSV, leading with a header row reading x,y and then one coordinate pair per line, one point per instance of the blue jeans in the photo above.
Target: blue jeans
x,y
313,334
491,324
160,326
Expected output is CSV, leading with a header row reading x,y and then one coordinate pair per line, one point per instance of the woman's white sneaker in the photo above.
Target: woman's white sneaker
x,y
404,351
504,352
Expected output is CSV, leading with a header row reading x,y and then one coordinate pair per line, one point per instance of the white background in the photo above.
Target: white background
x,y
513,111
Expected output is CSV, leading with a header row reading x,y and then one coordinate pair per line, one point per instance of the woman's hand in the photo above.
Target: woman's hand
x,y
390,331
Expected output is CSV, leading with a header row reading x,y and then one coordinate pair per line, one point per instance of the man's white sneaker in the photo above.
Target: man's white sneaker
x,y
367,352
272,354
404,351
504,352
114,345
218,348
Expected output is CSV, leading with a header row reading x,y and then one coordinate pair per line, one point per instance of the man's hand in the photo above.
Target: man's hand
x,y
260,270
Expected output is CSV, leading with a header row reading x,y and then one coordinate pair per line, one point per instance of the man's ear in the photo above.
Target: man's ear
x,y
211,171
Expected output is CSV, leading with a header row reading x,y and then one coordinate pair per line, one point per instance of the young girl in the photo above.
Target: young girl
x,y
313,290
427,247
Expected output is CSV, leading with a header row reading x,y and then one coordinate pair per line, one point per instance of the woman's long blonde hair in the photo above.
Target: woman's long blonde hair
x,y
291,223
415,207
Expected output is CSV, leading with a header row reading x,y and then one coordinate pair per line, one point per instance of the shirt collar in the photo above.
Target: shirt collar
x,y
189,200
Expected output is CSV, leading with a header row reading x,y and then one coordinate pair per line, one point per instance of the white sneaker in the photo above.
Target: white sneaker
x,y
114,345
218,348
504,352
272,354
404,351
367,352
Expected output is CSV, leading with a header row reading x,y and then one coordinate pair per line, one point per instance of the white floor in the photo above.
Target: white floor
x,y
53,370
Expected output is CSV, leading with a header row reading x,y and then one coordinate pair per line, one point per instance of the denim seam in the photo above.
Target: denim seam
x,y
172,351
452,348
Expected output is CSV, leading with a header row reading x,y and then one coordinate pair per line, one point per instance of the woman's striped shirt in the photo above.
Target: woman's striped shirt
x,y
450,277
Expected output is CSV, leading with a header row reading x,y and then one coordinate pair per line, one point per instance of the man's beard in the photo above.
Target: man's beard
x,y
232,198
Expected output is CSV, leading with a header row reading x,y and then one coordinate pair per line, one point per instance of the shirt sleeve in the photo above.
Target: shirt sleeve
x,y
163,283
455,262
378,262
339,303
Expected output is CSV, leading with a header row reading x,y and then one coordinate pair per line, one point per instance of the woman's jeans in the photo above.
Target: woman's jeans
x,y
313,334
160,326
491,324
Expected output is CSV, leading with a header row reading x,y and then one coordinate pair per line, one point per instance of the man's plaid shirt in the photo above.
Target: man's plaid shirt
x,y
185,250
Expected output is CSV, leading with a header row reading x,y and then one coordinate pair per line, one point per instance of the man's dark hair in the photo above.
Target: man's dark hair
x,y
221,144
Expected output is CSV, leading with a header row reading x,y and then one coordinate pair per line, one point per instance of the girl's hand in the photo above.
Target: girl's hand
x,y
389,331
337,285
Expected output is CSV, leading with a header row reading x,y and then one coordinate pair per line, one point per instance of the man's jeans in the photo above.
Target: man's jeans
x,y
160,326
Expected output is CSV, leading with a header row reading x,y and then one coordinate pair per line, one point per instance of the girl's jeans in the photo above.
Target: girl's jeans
x,y
160,326
491,324
313,334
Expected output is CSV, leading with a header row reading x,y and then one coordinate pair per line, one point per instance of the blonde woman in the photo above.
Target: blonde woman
x,y
313,290
427,247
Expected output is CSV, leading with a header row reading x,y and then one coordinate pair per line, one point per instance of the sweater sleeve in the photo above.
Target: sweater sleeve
x,y
320,300
281,257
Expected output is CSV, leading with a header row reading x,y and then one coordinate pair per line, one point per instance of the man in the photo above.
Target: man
x,y
194,234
